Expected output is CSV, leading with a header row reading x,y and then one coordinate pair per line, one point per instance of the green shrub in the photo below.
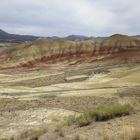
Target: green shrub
x,y
108,112
102,113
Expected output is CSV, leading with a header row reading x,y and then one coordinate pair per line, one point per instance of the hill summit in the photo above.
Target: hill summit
x,y
119,40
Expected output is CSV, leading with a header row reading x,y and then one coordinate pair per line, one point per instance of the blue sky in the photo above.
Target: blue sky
x,y
65,17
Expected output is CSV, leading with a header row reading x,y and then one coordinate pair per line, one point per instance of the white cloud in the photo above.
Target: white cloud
x,y
63,17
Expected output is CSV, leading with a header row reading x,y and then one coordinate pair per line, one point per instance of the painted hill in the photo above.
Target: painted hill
x,y
52,51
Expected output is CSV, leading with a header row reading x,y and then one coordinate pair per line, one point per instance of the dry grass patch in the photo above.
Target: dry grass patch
x,y
131,133
6,138
128,133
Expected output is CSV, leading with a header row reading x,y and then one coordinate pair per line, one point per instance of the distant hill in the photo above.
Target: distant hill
x,y
12,38
77,38
15,38
7,37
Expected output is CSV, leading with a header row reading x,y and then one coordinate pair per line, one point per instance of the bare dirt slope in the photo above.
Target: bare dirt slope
x,y
31,106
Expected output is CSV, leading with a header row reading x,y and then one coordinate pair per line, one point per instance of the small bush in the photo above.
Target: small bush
x,y
84,119
71,120
102,113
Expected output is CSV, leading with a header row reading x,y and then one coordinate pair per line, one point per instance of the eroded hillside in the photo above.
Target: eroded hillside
x,y
48,51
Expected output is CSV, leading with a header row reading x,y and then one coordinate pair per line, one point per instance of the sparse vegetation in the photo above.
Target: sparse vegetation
x,y
6,139
101,113
33,133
